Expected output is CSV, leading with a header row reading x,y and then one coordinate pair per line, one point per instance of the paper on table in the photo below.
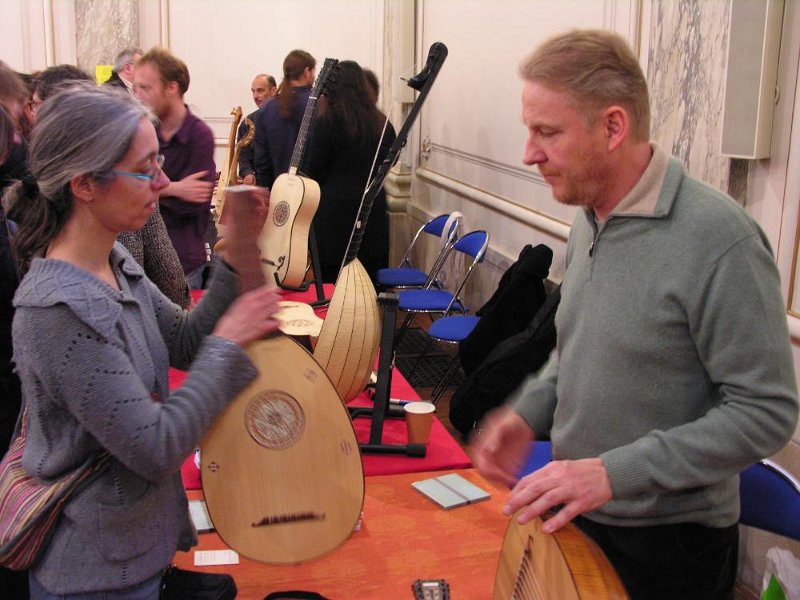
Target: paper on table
x,y
204,558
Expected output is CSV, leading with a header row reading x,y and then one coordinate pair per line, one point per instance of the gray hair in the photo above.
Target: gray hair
x,y
84,129
124,57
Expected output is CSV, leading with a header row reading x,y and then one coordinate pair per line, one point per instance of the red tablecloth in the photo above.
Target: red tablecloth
x,y
443,452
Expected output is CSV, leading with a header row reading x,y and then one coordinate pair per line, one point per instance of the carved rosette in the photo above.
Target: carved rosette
x,y
274,420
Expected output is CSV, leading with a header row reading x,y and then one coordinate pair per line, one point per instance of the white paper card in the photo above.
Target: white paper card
x,y
199,514
205,558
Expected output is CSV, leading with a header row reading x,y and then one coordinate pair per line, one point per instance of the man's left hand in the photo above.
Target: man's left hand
x,y
579,485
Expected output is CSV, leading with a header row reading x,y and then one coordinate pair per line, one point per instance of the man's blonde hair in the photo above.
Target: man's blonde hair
x,y
595,69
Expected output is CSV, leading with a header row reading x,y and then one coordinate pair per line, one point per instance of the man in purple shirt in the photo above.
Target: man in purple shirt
x,y
160,82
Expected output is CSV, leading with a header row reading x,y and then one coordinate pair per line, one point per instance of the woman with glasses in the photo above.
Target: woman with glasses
x,y
93,339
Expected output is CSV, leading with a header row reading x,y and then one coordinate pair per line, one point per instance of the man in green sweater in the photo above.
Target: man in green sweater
x,y
673,369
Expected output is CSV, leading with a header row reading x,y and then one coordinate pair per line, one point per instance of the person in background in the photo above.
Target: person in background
x,y
373,85
263,89
187,143
94,338
28,118
124,64
659,392
13,98
347,138
278,122
13,583
50,81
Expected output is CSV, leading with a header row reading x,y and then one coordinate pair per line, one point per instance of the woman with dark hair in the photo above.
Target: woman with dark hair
x,y
13,583
13,98
279,119
93,339
347,138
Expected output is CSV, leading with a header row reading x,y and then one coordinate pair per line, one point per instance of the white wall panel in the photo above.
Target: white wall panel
x,y
37,33
226,43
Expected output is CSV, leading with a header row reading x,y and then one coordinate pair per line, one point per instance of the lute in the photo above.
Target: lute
x,y
293,202
281,468
350,335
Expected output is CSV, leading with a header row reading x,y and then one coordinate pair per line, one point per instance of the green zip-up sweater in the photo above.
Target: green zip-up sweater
x,y
673,362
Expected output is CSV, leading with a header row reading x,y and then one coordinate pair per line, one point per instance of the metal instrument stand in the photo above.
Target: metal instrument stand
x,y
381,408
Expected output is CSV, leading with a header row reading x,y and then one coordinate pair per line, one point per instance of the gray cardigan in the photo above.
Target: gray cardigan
x,y
93,362
673,361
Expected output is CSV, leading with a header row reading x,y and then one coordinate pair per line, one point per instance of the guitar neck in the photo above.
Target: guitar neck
x,y
300,144
308,114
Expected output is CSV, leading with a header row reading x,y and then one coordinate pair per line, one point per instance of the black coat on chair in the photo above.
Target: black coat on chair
x,y
518,296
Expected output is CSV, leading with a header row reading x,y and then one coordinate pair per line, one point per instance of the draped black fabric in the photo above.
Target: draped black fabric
x,y
518,296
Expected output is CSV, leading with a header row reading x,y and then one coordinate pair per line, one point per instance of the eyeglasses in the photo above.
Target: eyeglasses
x,y
146,176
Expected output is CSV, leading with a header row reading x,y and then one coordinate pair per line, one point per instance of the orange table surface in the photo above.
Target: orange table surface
x,y
403,537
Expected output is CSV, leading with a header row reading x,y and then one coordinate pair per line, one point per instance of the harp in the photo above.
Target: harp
x,y
565,565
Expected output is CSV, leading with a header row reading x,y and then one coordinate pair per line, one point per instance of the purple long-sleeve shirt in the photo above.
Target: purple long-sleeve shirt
x,y
189,151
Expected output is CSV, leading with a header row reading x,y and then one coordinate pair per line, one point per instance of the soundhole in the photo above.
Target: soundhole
x,y
281,213
274,419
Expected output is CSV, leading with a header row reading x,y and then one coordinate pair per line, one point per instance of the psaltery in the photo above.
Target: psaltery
x,y
350,335
281,468
565,565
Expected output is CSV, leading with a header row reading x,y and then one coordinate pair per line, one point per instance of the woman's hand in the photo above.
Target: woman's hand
x,y
247,210
251,316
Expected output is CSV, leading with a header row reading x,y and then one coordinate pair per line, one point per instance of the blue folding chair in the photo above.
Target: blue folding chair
x,y
407,276
770,499
450,330
433,301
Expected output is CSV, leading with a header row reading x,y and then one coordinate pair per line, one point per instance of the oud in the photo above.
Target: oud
x,y
293,202
281,468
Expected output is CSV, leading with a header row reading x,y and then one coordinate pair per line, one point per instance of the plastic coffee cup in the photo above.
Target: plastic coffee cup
x,y
419,417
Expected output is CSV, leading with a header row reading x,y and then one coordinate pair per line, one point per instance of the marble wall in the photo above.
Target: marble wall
x,y
103,28
686,73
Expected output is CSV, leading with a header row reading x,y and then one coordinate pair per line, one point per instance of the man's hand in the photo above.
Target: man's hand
x,y
192,188
500,445
579,485
249,179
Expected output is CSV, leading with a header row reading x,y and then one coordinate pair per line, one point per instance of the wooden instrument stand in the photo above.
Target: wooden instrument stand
x,y
382,408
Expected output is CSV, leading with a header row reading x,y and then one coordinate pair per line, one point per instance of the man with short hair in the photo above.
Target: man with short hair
x,y
124,64
673,369
263,89
160,82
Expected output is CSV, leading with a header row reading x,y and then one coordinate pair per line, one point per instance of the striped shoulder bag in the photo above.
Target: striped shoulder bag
x,y
29,507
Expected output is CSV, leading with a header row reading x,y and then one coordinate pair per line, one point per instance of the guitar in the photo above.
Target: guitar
x,y
348,343
566,565
233,166
281,468
293,202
